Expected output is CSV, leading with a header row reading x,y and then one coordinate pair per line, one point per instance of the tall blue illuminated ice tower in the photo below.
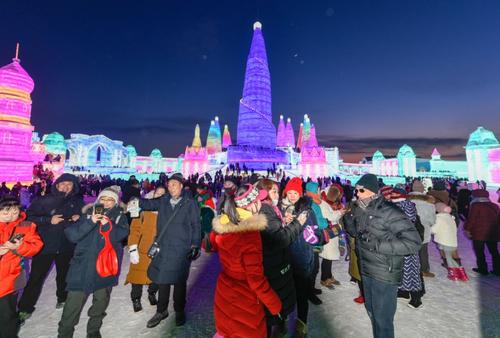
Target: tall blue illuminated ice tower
x,y
255,118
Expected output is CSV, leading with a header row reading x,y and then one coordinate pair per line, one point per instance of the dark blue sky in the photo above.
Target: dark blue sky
x,y
371,74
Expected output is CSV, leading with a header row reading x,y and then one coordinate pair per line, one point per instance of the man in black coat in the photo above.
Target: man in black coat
x,y
179,245
384,235
52,214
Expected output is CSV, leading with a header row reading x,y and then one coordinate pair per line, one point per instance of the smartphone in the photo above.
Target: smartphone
x,y
15,238
99,209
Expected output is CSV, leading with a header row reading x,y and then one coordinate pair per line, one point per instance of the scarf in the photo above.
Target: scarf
x,y
322,222
363,203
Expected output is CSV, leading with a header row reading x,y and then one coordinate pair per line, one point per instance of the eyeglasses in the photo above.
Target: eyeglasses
x,y
361,190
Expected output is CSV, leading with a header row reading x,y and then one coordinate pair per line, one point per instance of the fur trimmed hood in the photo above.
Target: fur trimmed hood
x,y
256,222
415,196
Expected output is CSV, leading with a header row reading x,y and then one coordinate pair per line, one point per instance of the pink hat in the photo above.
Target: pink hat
x,y
251,195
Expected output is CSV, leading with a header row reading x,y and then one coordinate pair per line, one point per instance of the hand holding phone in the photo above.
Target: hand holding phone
x,y
15,238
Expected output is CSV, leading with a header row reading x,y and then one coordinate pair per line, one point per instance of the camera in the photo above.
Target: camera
x,y
154,250
99,209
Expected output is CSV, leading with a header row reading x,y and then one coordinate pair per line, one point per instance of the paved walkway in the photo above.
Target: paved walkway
x,y
451,309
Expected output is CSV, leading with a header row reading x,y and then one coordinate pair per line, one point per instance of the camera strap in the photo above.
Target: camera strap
x,y
164,229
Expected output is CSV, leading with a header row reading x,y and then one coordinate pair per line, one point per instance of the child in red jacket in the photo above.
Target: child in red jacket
x,y
18,239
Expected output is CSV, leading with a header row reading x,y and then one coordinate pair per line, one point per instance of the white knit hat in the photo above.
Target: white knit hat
x,y
112,192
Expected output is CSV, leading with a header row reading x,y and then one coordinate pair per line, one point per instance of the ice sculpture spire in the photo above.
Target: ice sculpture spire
x,y
196,138
306,131
281,137
226,138
290,136
313,142
255,124
299,141
214,137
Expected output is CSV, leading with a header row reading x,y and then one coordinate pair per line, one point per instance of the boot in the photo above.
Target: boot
x,y
462,274
453,274
300,329
136,303
315,300
152,299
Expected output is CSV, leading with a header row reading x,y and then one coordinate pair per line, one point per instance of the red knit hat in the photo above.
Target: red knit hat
x,y
294,184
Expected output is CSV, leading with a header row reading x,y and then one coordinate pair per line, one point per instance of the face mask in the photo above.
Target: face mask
x,y
275,202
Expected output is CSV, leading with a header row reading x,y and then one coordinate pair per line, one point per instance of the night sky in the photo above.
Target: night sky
x,y
371,74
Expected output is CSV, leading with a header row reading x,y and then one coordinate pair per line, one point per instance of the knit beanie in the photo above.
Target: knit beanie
x,y
441,207
294,184
177,177
111,192
369,181
312,187
418,186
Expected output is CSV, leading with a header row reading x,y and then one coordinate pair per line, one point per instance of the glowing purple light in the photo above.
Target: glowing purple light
x,y
281,137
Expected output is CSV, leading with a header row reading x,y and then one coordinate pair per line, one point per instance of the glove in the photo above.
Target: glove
x,y
309,235
134,254
194,254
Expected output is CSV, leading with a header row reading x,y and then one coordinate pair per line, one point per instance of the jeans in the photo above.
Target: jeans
x,y
40,267
9,321
179,297
380,303
481,258
73,309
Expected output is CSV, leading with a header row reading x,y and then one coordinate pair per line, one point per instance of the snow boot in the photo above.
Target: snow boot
x,y
300,329
152,299
462,274
453,274
136,303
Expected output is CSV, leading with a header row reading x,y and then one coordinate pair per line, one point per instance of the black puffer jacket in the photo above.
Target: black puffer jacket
x,y
384,235
43,208
276,240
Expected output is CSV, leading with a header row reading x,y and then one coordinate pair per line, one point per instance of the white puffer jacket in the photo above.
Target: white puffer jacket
x,y
331,250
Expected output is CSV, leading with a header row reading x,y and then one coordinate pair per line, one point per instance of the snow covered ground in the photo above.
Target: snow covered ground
x,y
451,309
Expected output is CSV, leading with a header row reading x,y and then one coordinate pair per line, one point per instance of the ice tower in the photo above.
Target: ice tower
x,y
16,162
256,133
226,138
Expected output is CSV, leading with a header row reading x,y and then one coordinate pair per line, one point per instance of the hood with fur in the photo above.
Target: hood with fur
x,y
255,222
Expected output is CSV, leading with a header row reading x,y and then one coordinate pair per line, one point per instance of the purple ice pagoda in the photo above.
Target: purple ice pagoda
x,y
256,134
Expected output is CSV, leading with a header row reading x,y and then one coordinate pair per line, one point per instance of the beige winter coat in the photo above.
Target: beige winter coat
x,y
331,250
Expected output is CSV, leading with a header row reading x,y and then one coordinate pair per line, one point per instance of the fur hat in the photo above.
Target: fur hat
x,y
111,192
368,181
294,184
418,186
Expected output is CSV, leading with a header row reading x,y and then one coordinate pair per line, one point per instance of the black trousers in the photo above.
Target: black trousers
x,y
40,267
136,292
302,290
9,321
315,270
424,258
481,258
179,297
326,269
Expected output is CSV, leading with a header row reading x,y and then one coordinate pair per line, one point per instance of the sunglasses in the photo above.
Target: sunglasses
x,y
361,190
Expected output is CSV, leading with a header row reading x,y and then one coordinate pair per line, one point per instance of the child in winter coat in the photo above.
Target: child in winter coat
x,y
142,235
19,239
445,235
93,232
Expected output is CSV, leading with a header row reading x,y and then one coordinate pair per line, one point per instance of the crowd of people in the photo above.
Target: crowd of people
x,y
273,235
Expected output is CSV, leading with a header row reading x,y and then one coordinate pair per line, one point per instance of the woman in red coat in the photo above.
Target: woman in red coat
x,y
483,227
242,289
18,239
